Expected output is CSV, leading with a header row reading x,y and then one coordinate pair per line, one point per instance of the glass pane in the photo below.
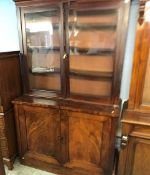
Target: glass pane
x,y
103,63
90,86
146,92
45,82
43,49
92,39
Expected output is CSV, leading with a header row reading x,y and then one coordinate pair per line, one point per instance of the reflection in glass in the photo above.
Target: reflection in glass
x,y
43,48
92,40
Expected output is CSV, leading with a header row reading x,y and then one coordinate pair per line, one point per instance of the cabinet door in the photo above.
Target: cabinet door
x,y
39,131
41,28
89,142
137,157
93,46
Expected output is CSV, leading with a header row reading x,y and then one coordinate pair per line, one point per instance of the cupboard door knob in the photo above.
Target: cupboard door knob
x,y
65,56
60,139
124,141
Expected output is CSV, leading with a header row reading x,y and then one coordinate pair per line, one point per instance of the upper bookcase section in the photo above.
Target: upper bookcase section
x,y
73,48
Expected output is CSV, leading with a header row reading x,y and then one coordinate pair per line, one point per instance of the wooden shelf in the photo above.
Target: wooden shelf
x,y
86,27
76,95
74,50
43,49
54,25
43,93
90,51
49,13
46,72
94,12
91,74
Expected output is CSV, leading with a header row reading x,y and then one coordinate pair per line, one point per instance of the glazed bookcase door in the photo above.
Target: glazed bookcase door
x,y
42,47
93,31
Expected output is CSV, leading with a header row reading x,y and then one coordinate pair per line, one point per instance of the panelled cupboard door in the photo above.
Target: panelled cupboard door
x,y
138,157
89,142
39,133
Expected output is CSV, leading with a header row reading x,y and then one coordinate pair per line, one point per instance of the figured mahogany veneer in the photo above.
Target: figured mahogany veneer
x,y
66,138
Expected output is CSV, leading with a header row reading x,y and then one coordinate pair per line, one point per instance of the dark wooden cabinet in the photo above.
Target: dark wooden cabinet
x,y
2,171
8,138
10,88
135,153
71,59
53,134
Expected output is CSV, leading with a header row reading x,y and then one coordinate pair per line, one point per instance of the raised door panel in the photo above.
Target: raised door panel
x,y
90,142
138,158
39,133
146,92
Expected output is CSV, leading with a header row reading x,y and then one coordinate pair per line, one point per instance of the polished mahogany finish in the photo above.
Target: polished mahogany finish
x,y
135,156
71,60
135,153
57,134
10,88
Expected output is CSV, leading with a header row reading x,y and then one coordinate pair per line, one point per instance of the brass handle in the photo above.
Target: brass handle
x,y
124,141
65,56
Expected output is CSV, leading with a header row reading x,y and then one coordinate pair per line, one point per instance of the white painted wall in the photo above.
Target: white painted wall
x,y
129,51
8,26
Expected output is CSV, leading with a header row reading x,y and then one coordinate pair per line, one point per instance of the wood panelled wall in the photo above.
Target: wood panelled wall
x,y
10,88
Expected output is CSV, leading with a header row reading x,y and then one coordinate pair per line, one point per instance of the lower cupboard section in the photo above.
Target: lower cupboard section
x,y
65,141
